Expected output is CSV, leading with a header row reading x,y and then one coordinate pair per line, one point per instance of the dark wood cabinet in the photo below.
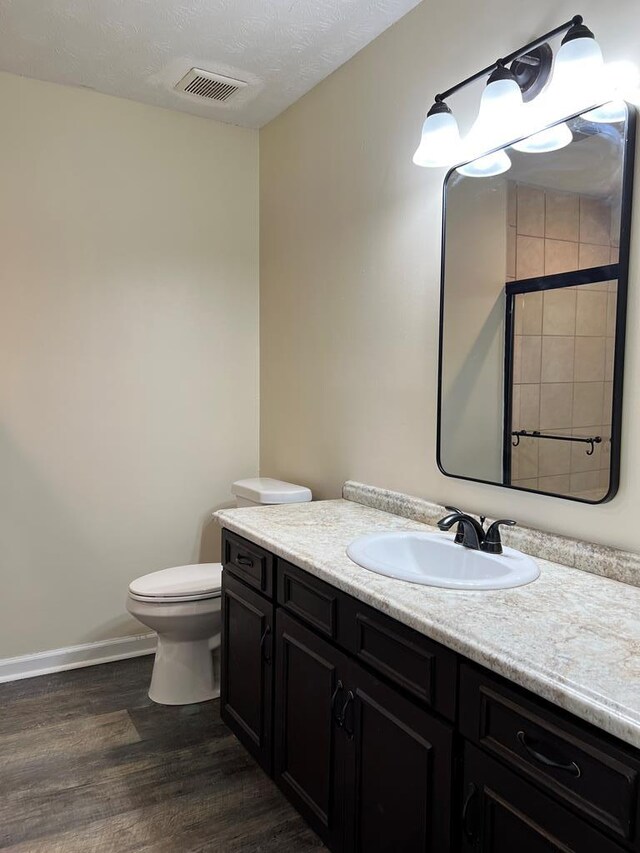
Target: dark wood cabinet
x,y
311,600
309,745
421,668
503,813
425,670
398,772
246,688
387,742
577,766
248,562
369,769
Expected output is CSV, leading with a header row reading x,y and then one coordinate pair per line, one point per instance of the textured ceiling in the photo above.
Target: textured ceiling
x,y
139,49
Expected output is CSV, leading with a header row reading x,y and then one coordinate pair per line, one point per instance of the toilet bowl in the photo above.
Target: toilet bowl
x,y
182,605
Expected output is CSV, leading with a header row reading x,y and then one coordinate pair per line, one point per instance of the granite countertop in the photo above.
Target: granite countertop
x,y
571,637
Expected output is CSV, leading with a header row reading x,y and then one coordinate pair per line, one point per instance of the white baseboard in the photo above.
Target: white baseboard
x,y
74,657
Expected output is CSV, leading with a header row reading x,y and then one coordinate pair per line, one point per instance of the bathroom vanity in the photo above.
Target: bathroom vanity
x,y
405,718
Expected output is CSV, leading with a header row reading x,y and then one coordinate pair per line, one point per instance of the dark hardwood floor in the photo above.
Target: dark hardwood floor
x,y
88,764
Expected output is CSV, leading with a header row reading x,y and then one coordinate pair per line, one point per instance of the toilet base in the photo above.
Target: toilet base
x,y
185,672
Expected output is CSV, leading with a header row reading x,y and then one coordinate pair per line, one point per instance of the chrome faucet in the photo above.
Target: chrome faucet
x,y
471,532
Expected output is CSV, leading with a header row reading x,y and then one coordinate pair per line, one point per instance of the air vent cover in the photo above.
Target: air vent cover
x,y
206,84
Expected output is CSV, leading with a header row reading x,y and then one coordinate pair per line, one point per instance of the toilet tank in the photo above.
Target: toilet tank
x,y
264,491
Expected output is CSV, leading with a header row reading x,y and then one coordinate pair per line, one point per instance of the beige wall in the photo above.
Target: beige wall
x,y
350,260
128,351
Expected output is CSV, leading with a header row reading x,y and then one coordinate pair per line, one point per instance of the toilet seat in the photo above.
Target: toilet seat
x,y
179,584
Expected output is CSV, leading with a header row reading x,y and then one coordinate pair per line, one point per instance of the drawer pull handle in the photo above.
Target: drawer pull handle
x,y
337,716
244,561
263,648
570,767
343,714
468,828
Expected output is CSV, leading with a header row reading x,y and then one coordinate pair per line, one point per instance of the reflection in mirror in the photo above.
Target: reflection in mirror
x,y
559,435
533,305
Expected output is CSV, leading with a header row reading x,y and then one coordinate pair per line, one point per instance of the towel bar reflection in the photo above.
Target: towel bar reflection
x,y
590,440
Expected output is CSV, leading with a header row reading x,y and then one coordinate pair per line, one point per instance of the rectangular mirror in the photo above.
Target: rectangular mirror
x,y
532,316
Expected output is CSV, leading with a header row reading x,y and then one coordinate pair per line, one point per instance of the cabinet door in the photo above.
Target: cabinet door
x,y
309,744
246,689
501,812
398,772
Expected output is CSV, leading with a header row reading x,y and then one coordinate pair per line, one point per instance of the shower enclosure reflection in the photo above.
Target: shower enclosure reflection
x,y
558,403
533,314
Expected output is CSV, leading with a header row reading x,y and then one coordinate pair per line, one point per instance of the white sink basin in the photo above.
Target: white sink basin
x,y
435,559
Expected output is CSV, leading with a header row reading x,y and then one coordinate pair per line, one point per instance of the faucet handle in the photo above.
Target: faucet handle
x,y
459,530
460,533
492,543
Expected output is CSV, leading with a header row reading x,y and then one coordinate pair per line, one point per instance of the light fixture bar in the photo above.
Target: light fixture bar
x,y
575,21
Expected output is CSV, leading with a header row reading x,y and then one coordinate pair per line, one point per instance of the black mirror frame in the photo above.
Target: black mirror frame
x,y
621,318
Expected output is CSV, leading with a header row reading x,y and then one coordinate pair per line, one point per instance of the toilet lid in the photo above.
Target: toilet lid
x,y
201,579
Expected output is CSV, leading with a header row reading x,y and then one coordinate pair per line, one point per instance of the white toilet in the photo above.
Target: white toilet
x,y
182,605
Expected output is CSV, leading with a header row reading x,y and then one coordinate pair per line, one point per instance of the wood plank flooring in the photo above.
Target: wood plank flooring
x,y
88,764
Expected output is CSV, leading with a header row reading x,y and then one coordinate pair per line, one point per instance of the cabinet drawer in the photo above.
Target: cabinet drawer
x,y
312,600
422,667
502,813
586,771
249,562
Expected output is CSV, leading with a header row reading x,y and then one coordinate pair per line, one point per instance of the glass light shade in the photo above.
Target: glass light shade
x,y
439,142
579,58
487,166
498,119
550,139
578,78
614,111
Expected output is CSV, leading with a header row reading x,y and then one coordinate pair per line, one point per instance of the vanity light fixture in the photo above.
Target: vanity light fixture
x,y
579,58
501,96
440,137
578,78
519,101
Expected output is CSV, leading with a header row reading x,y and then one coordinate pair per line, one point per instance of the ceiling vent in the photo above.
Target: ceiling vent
x,y
206,84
